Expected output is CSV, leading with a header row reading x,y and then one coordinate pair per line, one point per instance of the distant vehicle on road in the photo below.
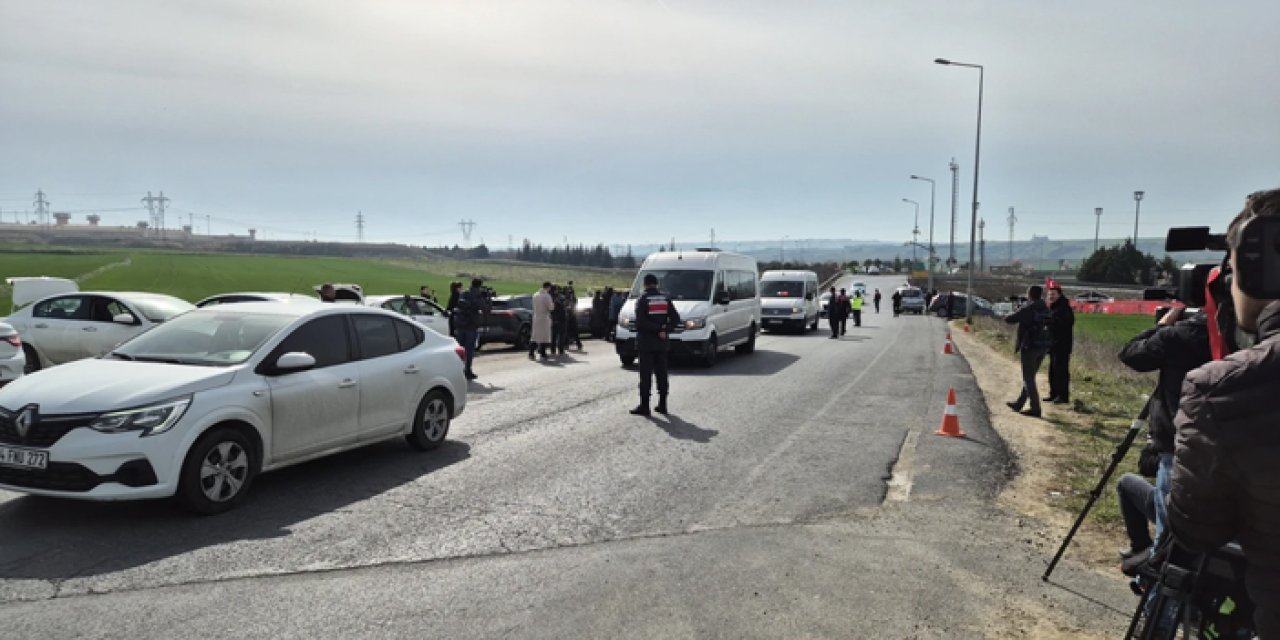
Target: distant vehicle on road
x,y
1093,296
422,310
197,407
788,300
70,326
858,287
254,296
716,295
912,300
981,306
510,321
873,270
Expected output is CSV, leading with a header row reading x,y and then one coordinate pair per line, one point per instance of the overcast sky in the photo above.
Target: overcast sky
x,y
632,121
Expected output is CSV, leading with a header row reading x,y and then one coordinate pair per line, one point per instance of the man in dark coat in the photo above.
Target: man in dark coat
x,y
1033,342
455,290
897,303
472,304
1226,480
1173,347
656,318
1061,322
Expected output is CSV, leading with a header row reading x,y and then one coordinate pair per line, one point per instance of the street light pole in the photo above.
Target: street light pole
x,y
932,194
915,232
1097,211
1137,208
977,155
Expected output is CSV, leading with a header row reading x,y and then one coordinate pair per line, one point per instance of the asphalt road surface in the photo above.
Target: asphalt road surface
x,y
762,507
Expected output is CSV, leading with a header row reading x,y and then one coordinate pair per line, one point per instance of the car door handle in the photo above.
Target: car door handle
x,y
412,369
347,384
40,326
89,329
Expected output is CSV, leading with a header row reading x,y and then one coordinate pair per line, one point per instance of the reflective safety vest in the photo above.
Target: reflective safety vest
x,y
857,303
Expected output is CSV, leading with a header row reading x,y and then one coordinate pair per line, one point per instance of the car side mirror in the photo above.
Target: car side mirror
x,y
723,297
124,318
295,361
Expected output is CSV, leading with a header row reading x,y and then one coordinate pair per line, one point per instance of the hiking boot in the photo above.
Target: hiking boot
x,y
1016,406
641,410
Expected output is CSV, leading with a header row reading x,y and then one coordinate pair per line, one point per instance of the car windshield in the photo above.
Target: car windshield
x,y
782,289
211,337
680,284
161,309
911,293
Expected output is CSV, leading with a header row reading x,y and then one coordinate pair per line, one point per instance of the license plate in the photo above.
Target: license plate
x,y
24,458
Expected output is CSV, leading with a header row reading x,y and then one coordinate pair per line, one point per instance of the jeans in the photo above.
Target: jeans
x,y
1031,360
1137,508
468,339
1164,483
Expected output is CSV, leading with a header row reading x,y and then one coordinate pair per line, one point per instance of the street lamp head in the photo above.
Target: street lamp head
x,y
915,177
1097,211
941,61
1137,195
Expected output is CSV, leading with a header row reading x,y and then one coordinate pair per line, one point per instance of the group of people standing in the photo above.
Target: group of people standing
x,y
1044,329
840,307
555,320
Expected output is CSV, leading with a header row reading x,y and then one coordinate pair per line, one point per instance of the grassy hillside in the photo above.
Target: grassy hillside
x,y
195,276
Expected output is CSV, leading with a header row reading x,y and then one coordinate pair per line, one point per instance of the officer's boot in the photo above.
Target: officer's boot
x,y
662,404
641,409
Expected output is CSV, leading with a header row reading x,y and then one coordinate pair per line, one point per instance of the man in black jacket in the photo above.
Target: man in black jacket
x,y
1226,475
656,318
1173,347
466,320
1033,342
1062,320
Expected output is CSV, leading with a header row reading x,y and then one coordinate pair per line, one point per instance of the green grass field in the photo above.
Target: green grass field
x,y
195,276
1112,331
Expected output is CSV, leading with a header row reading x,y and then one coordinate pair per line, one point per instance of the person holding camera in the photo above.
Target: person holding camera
x,y
472,304
1175,346
1226,479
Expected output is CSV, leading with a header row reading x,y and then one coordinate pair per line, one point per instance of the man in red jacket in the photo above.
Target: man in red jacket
x,y
1226,475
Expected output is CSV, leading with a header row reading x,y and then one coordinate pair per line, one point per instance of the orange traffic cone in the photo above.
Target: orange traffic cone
x,y
967,329
950,421
947,350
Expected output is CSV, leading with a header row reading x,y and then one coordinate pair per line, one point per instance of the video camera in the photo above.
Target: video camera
x,y
1257,258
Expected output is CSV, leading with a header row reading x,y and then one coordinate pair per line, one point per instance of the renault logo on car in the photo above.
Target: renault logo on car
x,y
25,419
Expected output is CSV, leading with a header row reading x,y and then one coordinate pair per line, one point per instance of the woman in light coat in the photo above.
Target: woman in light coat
x,y
540,336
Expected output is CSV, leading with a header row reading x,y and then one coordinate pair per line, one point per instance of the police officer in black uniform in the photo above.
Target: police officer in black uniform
x,y
656,318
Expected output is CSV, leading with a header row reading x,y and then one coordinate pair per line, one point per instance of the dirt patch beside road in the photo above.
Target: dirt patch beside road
x,y
1040,451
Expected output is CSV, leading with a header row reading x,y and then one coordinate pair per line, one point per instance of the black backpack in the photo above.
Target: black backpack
x,y
1042,330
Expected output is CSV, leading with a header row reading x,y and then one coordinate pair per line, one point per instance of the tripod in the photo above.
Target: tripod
x,y
1122,449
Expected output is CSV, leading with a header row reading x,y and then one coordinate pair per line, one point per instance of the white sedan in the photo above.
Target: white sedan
x,y
198,406
71,326
13,361
426,312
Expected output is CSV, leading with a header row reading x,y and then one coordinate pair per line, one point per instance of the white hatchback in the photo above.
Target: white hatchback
x,y
198,406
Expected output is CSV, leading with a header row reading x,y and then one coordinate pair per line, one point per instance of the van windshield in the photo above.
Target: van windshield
x,y
782,289
680,284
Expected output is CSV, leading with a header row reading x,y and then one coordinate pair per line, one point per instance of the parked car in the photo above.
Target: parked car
x,y
858,286
823,301
70,326
254,296
1093,296
583,312
199,406
422,310
912,300
510,321
13,360
345,292
981,306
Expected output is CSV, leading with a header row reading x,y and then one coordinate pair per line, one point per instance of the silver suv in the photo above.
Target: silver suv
x,y
912,300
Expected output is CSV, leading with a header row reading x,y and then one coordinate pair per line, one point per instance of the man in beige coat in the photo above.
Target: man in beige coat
x,y
540,336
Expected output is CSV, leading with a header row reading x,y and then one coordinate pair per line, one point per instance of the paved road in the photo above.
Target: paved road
x,y
757,509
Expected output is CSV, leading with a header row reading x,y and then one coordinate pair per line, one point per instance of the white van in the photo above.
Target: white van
x,y
789,300
715,294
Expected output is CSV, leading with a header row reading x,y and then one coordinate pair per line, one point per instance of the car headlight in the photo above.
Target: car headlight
x,y
151,420
694,323
624,322
796,309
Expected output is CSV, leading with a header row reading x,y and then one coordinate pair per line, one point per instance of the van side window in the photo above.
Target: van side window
x,y
745,285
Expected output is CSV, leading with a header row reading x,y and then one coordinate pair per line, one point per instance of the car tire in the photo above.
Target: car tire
x,y
814,325
712,351
431,421
522,338
627,361
33,359
217,472
750,345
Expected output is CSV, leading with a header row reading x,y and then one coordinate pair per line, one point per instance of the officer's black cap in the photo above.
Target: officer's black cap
x,y
649,279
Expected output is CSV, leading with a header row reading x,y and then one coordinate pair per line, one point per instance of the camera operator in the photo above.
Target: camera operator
x,y
1173,347
1226,476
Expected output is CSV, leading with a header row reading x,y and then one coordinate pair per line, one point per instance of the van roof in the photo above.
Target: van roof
x,y
697,260
787,274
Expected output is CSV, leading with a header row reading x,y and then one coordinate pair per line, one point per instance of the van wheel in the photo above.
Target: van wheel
x,y
431,421
627,360
712,351
522,338
750,345
33,359
217,472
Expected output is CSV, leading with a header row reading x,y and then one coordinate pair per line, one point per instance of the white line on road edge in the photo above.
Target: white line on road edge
x,y
903,470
